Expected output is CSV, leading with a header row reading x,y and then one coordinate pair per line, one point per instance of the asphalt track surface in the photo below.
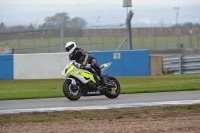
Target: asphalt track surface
x,y
123,99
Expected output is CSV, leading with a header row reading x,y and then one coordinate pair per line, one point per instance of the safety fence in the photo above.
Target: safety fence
x,y
182,64
50,41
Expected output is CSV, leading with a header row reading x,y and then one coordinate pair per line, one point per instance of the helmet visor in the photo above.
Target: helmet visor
x,y
69,47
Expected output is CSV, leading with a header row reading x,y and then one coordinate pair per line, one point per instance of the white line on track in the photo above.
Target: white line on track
x,y
109,106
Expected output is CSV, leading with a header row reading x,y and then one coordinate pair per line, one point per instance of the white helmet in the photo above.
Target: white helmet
x,y
70,47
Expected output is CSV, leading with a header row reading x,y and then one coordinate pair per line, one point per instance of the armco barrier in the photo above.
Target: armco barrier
x,y
6,67
182,64
50,65
125,63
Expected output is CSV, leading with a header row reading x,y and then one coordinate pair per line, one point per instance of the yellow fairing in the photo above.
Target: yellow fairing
x,y
67,66
70,69
86,75
63,74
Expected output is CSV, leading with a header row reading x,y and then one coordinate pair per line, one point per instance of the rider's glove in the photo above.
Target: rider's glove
x,y
83,64
77,65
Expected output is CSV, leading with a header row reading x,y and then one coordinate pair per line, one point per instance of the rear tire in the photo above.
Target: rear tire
x,y
70,92
113,92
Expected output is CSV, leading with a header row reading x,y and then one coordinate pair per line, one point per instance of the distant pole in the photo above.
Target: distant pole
x,y
128,26
190,35
98,21
128,37
35,24
128,3
62,38
176,9
62,35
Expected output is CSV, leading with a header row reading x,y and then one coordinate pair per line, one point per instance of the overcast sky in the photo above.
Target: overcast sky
x,y
103,2
99,12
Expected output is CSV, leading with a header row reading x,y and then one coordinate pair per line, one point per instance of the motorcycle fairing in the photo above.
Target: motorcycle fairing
x,y
82,75
71,68
86,75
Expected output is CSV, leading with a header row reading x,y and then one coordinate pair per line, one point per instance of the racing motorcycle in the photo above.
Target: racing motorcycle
x,y
85,82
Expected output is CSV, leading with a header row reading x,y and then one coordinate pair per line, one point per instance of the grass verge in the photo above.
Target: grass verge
x,y
111,114
49,88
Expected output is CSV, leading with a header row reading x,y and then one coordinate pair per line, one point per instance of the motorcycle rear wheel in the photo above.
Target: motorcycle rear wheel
x,y
70,92
113,92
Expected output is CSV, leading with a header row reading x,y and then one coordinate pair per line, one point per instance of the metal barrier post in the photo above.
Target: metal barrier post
x,y
180,64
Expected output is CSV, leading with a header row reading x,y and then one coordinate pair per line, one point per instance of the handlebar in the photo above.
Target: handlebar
x,y
78,65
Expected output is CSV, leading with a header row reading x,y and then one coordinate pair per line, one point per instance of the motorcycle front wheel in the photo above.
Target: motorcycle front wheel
x,y
72,92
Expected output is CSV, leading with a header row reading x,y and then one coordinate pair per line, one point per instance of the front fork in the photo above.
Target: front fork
x,y
73,83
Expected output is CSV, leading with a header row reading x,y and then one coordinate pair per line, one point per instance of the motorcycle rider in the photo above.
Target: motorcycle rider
x,y
83,57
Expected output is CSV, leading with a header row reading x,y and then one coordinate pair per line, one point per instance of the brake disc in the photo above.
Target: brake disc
x,y
73,91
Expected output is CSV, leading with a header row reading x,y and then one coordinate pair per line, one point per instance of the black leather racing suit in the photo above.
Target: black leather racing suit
x,y
80,55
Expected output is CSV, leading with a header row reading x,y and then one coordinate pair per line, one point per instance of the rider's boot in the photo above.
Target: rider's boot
x,y
103,81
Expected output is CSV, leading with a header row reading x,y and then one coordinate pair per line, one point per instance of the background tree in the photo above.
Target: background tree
x,y
2,26
78,22
187,24
30,27
55,21
16,28
59,18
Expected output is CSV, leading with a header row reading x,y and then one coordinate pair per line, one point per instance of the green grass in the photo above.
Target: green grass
x,y
182,107
162,83
119,117
24,89
48,88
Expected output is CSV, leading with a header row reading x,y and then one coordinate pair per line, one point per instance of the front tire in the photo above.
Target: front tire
x,y
71,92
113,92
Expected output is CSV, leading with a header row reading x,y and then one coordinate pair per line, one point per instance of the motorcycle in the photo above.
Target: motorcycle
x,y
85,82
